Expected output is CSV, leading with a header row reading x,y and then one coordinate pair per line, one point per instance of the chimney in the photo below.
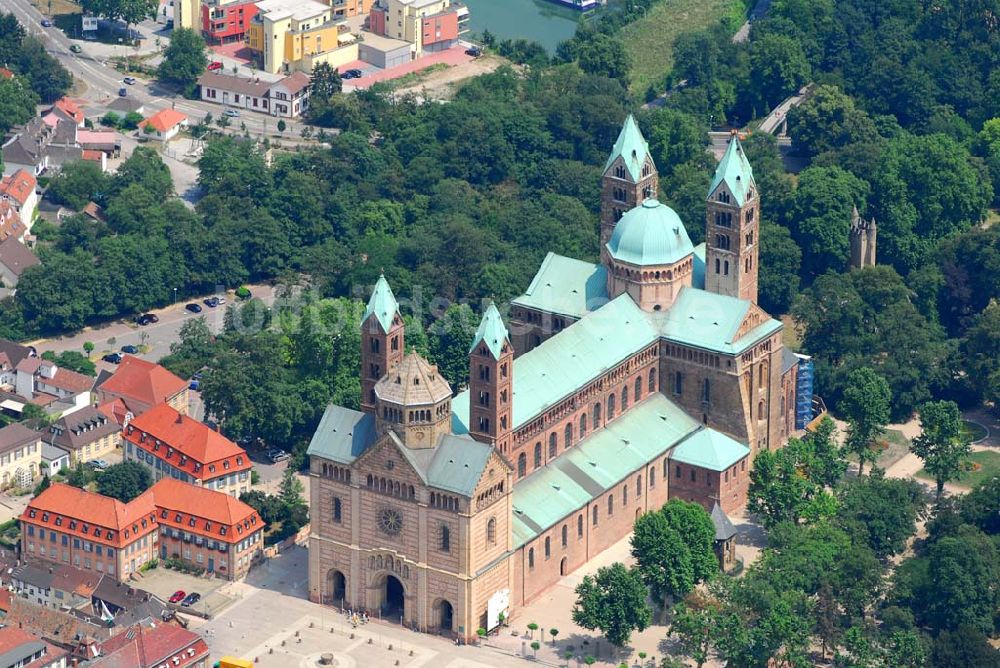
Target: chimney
x,y
179,419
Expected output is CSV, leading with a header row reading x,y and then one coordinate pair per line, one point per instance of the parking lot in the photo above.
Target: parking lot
x,y
163,583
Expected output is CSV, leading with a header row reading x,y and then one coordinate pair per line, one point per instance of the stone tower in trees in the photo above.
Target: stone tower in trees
x,y
381,341
491,388
864,235
629,178
732,230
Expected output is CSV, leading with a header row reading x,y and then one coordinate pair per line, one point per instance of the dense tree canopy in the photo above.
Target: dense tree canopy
x,y
184,60
39,72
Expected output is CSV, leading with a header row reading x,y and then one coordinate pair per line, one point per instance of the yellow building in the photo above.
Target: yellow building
x,y
187,14
86,434
288,35
20,455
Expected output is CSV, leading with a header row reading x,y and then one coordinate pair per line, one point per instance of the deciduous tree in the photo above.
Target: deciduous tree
x,y
614,602
942,444
865,406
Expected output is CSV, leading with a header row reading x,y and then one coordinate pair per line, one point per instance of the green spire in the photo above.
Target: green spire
x,y
382,304
491,331
734,169
632,148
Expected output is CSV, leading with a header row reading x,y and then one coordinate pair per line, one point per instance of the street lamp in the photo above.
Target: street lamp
x,y
175,295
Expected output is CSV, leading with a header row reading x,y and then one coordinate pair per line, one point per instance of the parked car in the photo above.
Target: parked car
x,y
76,48
129,80
114,358
277,455
195,384
46,23
194,308
122,92
210,302
147,318
232,113
177,596
215,65
130,349
352,74
191,599
99,464
474,51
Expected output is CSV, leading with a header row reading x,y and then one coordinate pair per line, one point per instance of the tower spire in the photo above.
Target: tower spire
x,y
491,387
629,178
382,340
491,332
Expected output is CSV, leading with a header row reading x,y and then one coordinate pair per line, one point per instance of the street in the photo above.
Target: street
x,y
103,81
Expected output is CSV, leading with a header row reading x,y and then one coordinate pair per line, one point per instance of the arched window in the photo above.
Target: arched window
x,y
760,411
718,265
638,389
594,513
652,478
638,485
548,547
725,268
678,382
538,455
553,445
531,557
624,495
706,391
491,531
624,398
597,415
445,538
568,435
583,426
565,535
522,464
611,505
652,380
579,526
611,408
336,510
761,374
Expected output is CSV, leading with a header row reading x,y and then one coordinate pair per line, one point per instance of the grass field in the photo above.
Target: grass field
x,y
987,465
649,41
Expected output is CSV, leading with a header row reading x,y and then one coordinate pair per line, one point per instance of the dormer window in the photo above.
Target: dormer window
x,y
72,525
163,514
45,517
239,461
58,521
178,518
192,522
222,531
31,513
225,465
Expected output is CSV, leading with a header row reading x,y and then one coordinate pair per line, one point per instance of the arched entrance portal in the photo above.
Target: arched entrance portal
x,y
336,587
393,603
562,566
445,615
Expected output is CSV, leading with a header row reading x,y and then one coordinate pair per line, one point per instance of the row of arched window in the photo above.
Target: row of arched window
x,y
391,487
444,501
336,472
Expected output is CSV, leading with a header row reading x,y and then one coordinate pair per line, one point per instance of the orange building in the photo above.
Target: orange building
x,y
138,385
67,525
216,532
172,445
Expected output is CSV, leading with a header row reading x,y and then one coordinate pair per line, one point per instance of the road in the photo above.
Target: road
x,y
103,82
156,337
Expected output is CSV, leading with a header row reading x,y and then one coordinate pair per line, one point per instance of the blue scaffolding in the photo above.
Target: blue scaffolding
x,y
804,392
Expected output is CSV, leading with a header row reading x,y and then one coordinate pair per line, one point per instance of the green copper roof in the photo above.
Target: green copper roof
x,y
710,321
458,464
711,450
342,435
382,304
651,233
564,286
491,331
631,146
567,484
571,359
734,169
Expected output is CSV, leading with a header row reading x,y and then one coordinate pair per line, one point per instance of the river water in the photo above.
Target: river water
x,y
542,21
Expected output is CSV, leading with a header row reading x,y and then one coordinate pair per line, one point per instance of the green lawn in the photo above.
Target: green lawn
x,y
649,41
988,467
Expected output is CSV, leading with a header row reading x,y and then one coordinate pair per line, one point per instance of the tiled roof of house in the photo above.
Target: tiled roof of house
x,y
16,256
51,625
18,186
228,82
77,580
116,410
69,108
186,443
15,436
70,381
11,225
81,428
144,381
151,647
17,645
91,515
15,351
213,513
295,83
162,121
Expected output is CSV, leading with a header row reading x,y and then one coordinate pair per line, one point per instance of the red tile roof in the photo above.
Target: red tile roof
x,y
116,410
93,156
12,638
180,503
70,108
186,443
10,222
5,73
93,516
18,186
143,381
151,647
164,120
71,381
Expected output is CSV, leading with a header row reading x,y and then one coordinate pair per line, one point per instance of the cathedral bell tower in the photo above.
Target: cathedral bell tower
x,y
491,386
732,229
381,341
629,178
